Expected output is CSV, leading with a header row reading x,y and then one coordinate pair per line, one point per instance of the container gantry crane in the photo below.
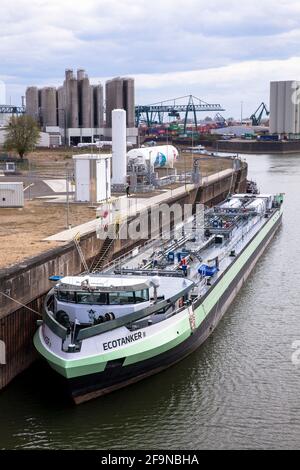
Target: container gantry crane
x,y
155,113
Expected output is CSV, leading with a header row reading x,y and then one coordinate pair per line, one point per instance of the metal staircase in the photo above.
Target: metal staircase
x,y
102,256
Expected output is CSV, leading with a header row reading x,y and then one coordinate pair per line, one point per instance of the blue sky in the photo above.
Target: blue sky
x,y
222,51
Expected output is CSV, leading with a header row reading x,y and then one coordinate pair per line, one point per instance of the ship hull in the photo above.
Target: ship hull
x,y
117,375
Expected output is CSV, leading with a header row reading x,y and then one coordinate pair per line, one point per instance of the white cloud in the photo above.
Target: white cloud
x,y
229,85
224,42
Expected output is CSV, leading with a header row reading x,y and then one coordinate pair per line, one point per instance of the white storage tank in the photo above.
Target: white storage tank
x,y
162,156
258,205
232,204
119,148
92,177
11,195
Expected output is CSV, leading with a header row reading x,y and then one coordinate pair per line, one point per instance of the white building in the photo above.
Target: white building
x,y
285,107
92,177
11,194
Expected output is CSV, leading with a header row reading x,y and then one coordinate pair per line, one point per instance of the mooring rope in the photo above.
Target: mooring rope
x,y
20,303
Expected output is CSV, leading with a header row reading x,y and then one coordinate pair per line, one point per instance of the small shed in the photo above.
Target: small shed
x,y
11,194
92,177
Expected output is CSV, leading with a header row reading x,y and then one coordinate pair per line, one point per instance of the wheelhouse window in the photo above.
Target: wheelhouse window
x,y
92,298
102,298
141,296
121,298
66,296
84,298
128,297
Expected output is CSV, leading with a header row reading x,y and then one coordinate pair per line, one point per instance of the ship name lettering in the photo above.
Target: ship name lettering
x,y
122,341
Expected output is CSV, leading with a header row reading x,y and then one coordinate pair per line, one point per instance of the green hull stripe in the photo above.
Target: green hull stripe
x,y
70,368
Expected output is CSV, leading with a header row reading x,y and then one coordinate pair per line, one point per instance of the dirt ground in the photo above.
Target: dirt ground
x,y
22,230
60,159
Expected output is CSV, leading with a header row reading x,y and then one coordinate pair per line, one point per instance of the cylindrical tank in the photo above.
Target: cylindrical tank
x,y
32,102
232,204
72,101
98,106
69,74
258,205
119,161
61,105
162,156
80,74
129,104
49,106
114,98
86,95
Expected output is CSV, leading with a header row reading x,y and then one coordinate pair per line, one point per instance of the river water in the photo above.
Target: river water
x,y
240,390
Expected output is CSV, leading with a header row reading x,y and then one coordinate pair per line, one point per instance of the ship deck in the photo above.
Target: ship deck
x,y
199,252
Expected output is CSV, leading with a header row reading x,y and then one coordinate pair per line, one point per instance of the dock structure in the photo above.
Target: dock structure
x,y
24,286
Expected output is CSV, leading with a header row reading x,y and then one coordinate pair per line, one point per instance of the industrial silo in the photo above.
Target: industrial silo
x,y
129,104
61,104
80,74
49,106
32,102
98,106
86,103
72,103
114,98
69,74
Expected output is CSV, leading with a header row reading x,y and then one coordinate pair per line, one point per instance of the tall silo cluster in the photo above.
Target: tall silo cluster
x,y
76,104
75,110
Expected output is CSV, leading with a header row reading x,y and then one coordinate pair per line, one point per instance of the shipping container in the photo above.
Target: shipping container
x,y
11,195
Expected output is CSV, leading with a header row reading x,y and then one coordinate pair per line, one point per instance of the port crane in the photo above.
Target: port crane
x,y
155,113
256,118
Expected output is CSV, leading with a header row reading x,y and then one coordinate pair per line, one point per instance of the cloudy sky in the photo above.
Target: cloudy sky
x,y
221,51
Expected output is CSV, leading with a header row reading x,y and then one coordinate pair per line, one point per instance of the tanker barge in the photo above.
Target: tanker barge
x,y
150,309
